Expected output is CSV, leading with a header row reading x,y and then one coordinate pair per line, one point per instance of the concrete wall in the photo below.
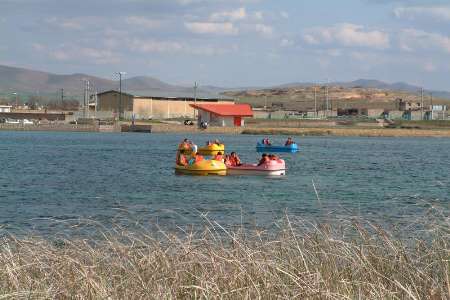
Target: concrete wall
x,y
145,108
375,113
110,102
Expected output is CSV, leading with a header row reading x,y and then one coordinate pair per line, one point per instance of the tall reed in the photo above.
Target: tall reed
x,y
298,260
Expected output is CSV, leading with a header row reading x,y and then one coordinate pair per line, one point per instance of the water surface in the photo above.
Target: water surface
x,y
50,177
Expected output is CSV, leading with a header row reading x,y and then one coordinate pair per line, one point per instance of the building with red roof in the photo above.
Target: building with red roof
x,y
223,114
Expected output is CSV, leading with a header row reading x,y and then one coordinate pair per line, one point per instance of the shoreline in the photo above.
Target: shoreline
x,y
253,130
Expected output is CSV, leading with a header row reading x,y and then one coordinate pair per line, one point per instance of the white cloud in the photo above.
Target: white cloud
x,y
413,39
259,15
233,15
144,22
349,35
148,46
430,12
73,53
71,24
226,28
286,43
263,30
155,46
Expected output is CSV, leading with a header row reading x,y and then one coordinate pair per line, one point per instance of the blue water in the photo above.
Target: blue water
x,y
48,179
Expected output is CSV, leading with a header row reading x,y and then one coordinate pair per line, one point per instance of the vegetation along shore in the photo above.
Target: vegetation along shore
x,y
358,260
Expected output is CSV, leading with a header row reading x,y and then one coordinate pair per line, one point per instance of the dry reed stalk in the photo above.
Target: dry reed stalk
x,y
299,260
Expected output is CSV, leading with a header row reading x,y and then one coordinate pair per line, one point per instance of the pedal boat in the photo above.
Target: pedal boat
x,y
271,168
211,150
203,168
273,148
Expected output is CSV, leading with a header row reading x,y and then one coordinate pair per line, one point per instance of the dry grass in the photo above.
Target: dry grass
x,y
298,260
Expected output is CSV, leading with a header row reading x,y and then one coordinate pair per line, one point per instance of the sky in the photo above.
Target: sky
x,y
232,43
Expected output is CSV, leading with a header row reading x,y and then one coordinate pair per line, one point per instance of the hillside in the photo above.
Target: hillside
x,y
48,86
295,96
341,95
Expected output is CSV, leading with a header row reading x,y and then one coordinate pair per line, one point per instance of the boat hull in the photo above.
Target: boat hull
x,y
203,168
272,168
271,148
212,149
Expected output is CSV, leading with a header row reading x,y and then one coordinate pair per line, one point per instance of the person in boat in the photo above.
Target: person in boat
x,y
235,160
198,157
273,157
264,159
227,160
184,145
266,141
208,143
217,142
219,156
289,141
193,147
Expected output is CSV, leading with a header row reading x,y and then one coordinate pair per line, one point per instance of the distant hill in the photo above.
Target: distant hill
x,y
47,85
371,83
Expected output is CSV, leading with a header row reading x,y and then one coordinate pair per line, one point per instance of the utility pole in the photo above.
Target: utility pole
x,y
62,97
195,96
431,105
315,101
85,97
327,99
421,103
120,92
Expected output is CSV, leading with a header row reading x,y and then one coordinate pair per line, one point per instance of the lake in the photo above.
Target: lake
x,y
51,179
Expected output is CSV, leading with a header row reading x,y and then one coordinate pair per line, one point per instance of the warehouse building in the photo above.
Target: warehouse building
x,y
110,103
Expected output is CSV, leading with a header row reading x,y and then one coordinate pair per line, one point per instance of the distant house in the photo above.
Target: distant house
x,y
5,108
223,114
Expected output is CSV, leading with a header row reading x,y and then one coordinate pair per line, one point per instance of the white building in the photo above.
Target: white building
x,y
5,108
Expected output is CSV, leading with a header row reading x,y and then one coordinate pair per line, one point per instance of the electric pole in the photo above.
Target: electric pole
x,y
195,96
421,103
431,105
327,99
315,101
120,92
62,97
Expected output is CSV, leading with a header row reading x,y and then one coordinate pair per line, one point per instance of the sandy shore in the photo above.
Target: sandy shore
x,y
364,132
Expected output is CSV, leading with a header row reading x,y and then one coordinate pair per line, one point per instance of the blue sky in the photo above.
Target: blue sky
x,y
232,42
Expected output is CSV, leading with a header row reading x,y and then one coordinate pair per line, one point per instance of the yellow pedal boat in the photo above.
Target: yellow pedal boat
x,y
212,149
203,168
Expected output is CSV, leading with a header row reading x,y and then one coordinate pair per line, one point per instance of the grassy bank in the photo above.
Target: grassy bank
x,y
364,132
356,261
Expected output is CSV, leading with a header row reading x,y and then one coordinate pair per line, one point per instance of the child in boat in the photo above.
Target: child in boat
x,y
264,159
219,157
289,142
184,145
266,141
235,160
182,160
208,143
193,147
198,157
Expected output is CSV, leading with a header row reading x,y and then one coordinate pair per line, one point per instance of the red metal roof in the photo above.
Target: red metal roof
x,y
239,110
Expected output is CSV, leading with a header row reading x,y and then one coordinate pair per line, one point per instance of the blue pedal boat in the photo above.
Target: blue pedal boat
x,y
272,148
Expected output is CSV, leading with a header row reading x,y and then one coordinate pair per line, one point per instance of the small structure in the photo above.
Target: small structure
x,y
5,108
223,114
